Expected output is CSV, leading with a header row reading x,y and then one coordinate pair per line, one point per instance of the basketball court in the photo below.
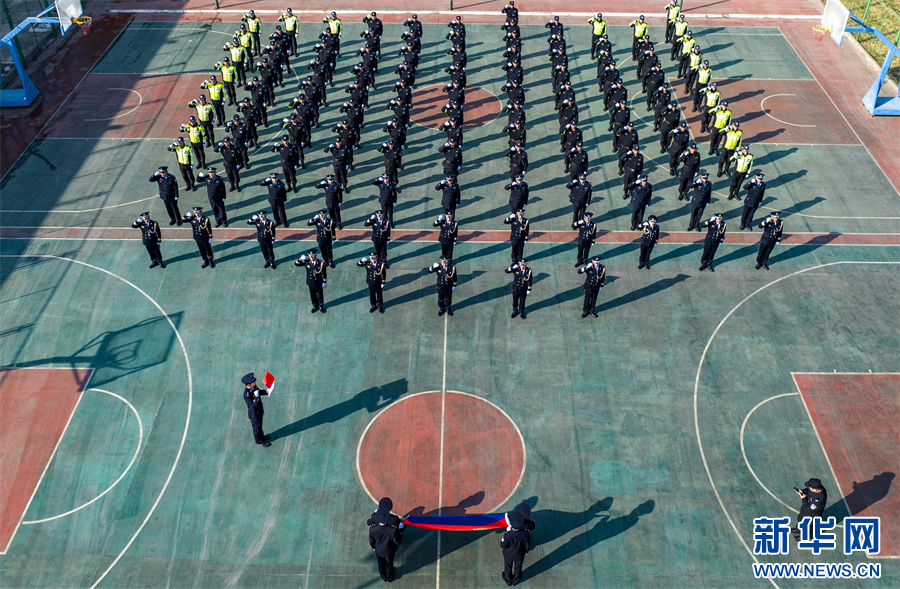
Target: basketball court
x,y
646,441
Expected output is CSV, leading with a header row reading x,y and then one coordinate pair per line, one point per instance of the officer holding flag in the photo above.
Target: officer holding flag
x,y
255,411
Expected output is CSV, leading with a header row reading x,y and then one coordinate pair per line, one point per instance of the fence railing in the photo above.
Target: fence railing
x,y
885,16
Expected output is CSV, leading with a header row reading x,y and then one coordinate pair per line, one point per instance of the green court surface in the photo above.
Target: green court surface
x,y
636,424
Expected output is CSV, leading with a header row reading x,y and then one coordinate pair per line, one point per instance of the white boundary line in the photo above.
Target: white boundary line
x,y
715,332
140,102
763,109
187,420
55,448
130,464
477,13
437,567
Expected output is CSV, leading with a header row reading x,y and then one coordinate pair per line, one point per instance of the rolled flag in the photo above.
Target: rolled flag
x,y
459,523
269,381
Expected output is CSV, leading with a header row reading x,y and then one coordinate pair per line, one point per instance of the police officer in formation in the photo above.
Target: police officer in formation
x,y
702,195
376,277
587,233
334,196
168,193
518,194
743,163
265,237
649,238
715,235
381,233
594,278
151,237
446,284
772,227
641,193
580,194
316,278
185,158
521,286
756,191
326,235
255,411
518,234
201,230
215,193
449,231
277,198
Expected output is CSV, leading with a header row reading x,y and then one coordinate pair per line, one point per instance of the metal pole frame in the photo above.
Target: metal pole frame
x,y
875,104
18,97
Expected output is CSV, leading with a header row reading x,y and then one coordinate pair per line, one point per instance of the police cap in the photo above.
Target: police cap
x,y
164,168
145,215
813,484
651,218
248,378
323,212
192,119
588,215
285,138
179,140
596,259
312,253
704,175
198,209
273,175
211,170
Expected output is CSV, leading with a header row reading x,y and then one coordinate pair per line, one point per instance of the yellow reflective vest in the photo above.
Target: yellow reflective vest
x,y
205,112
723,119
216,91
599,26
184,155
712,98
290,22
253,24
696,60
245,39
672,10
195,133
229,72
681,27
743,163
640,28
335,26
687,45
704,73
733,138
238,54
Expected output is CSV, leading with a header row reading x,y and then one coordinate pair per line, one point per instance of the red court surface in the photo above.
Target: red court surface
x,y
35,407
778,111
127,106
857,417
483,455
482,107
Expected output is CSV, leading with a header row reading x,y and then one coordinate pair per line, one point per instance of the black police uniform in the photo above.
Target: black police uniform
x,y
215,193
201,229
316,278
326,233
691,165
518,236
771,235
450,195
151,236
580,194
587,233
446,282
640,199
715,234
334,196
253,398
702,195
648,242
265,236
381,235
376,276
593,284
448,234
633,167
755,193
168,193
277,200
385,535
521,286
290,159
813,505
518,196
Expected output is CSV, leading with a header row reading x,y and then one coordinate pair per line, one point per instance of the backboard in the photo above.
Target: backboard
x,y
67,10
835,18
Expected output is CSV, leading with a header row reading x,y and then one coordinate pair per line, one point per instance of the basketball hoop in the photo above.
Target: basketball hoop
x,y
819,31
84,22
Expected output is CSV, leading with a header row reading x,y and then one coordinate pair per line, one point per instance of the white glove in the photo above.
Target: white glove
x,y
528,292
363,260
452,288
435,266
303,258
324,283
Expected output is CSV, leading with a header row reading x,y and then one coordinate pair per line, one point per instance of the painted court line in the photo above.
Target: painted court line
x,y
52,454
140,102
437,581
763,109
190,404
706,349
110,488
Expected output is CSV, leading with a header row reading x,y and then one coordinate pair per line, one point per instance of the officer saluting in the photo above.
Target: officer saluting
x,y
326,235
449,232
253,398
381,234
202,231
215,193
376,276
648,241
168,193
756,190
521,286
587,233
518,234
715,234
265,236
151,236
641,193
772,227
595,276
702,194
316,279
277,198
446,284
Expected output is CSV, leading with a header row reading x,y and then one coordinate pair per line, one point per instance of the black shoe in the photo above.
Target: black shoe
x,y
372,309
331,264
640,266
314,309
381,309
267,265
578,264
273,265
172,222
585,314
264,444
758,266
648,266
594,314
441,312
766,266
702,268
450,312
154,264
711,269
179,222
625,197
522,315
212,263
225,223
322,308
218,223
743,227
266,438
205,265
514,315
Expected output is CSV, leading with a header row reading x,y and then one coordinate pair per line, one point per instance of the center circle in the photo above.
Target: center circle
x,y
400,455
481,107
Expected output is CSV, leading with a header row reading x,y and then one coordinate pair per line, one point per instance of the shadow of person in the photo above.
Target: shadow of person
x,y
371,399
864,495
605,529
